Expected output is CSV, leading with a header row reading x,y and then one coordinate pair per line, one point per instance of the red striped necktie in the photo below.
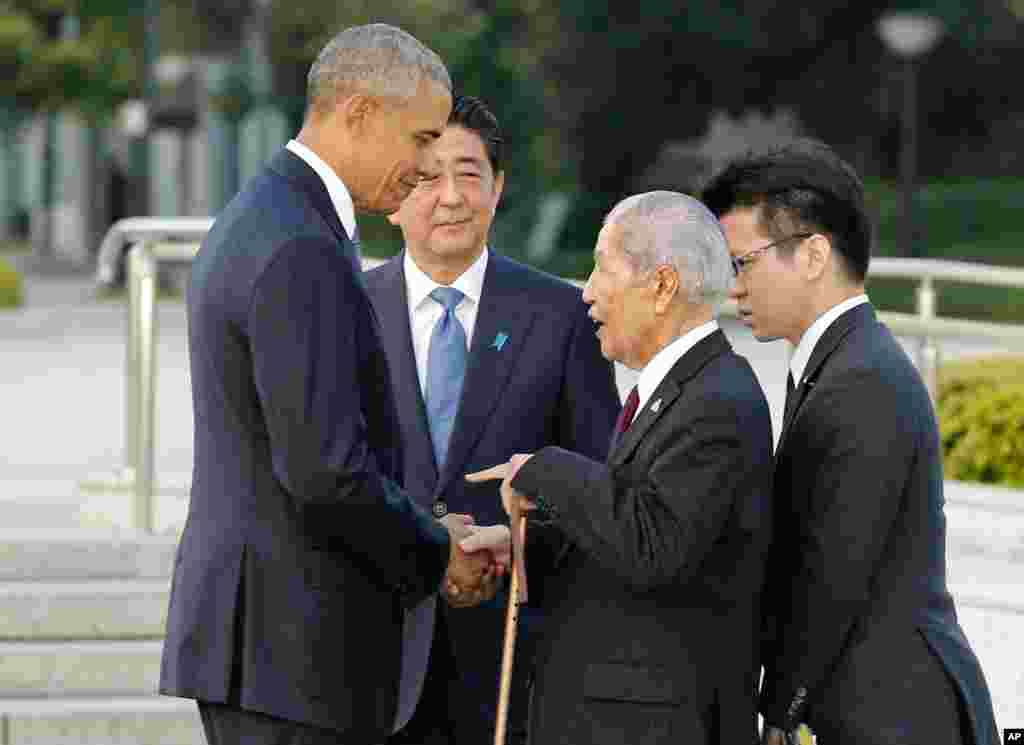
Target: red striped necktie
x,y
628,411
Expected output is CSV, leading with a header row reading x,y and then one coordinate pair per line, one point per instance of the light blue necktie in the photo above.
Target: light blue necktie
x,y
446,369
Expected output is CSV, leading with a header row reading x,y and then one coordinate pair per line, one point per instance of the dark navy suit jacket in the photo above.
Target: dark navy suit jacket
x,y
546,384
300,551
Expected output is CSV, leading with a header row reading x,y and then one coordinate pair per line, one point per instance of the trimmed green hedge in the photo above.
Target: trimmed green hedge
x,y
11,294
981,420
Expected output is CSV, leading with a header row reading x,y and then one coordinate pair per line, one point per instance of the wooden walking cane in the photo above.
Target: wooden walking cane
x,y
516,596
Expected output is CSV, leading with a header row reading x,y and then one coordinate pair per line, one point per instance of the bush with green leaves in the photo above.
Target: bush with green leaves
x,y
11,295
981,420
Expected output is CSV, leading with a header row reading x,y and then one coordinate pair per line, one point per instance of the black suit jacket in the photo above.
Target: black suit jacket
x,y
547,384
858,569
654,603
300,550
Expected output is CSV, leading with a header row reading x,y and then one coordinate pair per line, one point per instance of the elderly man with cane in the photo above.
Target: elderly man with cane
x,y
644,562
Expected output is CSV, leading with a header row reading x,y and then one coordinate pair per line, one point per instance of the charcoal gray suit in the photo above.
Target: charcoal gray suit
x,y
650,566
862,637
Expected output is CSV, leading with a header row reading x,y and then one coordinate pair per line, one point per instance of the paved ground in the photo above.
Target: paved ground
x,y
62,399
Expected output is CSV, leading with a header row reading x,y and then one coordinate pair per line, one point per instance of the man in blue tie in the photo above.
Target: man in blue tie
x,y
488,357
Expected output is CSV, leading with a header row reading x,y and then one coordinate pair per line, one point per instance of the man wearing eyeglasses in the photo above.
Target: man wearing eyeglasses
x,y
861,637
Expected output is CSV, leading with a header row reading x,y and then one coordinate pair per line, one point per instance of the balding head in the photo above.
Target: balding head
x,y
667,228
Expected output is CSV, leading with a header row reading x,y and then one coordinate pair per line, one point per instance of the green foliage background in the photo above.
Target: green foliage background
x,y
587,92
11,292
91,70
981,420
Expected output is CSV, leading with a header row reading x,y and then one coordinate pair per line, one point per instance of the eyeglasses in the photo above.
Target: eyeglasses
x,y
741,263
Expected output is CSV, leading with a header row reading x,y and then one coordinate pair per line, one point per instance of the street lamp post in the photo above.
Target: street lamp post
x,y
909,36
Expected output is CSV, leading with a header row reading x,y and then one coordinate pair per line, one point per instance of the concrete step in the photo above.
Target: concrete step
x,y
50,669
142,720
45,555
119,609
88,504
28,511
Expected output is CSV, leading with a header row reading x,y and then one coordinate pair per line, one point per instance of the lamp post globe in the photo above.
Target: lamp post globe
x,y
909,36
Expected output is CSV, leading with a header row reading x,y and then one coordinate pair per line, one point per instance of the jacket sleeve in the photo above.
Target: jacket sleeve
x,y
651,524
858,460
303,339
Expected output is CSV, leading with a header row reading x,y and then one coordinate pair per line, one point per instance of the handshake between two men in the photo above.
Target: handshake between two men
x,y
481,555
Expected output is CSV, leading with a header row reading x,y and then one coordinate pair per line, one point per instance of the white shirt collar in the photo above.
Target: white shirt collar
x,y
811,337
418,284
336,188
656,370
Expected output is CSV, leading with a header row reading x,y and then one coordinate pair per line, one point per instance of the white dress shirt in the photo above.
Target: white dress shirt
x,y
336,188
811,337
425,312
661,363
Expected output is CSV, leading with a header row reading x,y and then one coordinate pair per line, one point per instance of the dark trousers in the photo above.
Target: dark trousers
x,y
477,641
431,722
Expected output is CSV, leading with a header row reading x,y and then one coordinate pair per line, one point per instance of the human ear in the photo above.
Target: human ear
x,y
357,111
666,287
818,252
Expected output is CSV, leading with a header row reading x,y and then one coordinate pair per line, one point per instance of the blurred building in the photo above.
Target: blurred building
x,y
203,135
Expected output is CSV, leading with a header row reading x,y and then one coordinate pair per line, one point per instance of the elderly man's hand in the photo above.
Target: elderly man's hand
x,y
494,538
512,500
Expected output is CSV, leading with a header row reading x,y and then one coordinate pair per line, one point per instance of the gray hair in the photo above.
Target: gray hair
x,y
376,60
666,227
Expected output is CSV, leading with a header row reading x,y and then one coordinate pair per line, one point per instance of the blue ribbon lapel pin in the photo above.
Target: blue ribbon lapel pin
x,y
499,340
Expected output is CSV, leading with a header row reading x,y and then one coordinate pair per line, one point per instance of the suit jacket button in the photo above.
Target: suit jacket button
x,y
440,509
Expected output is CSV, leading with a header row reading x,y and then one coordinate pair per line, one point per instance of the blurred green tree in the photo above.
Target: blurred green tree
x,y
629,77
79,54
55,55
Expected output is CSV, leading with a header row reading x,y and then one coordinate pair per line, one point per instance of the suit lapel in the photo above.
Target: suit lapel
x,y
295,169
668,391
829,342
393,316
502,311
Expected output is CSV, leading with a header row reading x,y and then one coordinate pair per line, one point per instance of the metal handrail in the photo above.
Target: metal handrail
x,y
164,240
153,241
135,229
947,271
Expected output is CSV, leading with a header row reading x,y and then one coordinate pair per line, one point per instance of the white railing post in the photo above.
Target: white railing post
x,y
156,240
928,354
142,278
131,386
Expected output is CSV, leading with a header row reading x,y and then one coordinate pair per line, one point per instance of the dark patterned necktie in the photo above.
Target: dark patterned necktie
x,y
625,416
